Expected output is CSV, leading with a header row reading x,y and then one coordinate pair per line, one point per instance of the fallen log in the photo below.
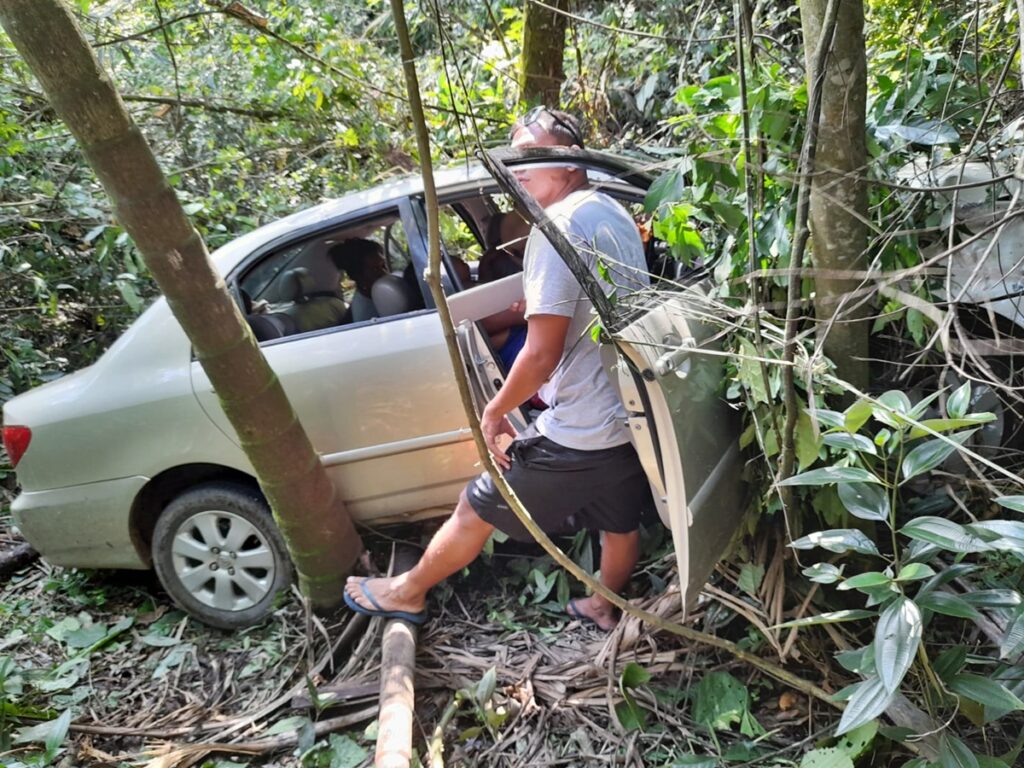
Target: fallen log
x,y
397,692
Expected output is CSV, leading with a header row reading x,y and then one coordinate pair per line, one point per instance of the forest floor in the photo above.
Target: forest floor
x,y
515,680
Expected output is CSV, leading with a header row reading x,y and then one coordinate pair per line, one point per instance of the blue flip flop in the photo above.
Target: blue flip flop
x,y
412,618
573,610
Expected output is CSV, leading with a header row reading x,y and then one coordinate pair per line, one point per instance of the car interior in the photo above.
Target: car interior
x,y
299,289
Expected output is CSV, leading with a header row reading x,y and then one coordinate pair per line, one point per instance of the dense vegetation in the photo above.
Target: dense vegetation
x,y
257,110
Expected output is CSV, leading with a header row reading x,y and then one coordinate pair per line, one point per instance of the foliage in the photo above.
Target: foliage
x,y
257,116
904,574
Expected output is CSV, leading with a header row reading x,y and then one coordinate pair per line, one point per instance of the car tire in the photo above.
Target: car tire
x,y
220,556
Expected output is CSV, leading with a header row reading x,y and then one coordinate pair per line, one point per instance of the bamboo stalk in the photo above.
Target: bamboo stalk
x,y
397,690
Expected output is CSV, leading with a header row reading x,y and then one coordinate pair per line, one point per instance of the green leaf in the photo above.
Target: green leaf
x,y
51,732
344,752
986,692
897,637
865,501
826,757
721,701
850,442
287,724
1001,535
857,415
823,573
950,662
485,687
929,455
751,575
832,617
993,598
830,419
695,761
1013,641
892,408
806,441
944,425
159,641
868,701
946,604
857,741
828,475
630,716
868,579
1016,503
63,628
860,661
837,540
944,533
922,405
667,188
915,571
86,636
959,401
953,753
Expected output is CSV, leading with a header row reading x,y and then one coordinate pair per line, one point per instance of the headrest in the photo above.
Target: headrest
x,y
392,296
298,284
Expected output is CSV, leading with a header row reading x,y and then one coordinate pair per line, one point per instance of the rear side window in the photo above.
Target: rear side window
x,y
355,274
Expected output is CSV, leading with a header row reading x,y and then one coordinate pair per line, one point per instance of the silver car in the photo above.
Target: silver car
x,y
131,463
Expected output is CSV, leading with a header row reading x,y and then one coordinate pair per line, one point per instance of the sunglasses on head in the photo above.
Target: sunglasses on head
x,y
535,114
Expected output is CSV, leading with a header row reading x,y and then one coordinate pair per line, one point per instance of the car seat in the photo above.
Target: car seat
x,y
266,326
311,309
392,295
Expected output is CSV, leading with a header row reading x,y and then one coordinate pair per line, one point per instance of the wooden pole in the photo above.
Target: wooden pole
x,y
397,691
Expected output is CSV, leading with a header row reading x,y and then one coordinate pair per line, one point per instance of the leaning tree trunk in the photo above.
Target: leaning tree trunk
x,y
541,72
321,538
839,204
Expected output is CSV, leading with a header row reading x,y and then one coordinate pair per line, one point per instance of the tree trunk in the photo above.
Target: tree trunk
x,y
839,204
542,74
321,538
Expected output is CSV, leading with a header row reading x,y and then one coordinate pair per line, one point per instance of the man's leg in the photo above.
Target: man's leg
x,y
455,545
619,554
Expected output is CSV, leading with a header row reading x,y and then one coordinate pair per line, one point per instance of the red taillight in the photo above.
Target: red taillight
x,y
16,440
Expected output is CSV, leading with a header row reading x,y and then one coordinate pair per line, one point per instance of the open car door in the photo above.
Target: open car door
x,y
686,436
662,361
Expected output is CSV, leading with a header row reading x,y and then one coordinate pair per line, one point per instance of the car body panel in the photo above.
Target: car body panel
x,y
671,350
379,404
129,414
86,526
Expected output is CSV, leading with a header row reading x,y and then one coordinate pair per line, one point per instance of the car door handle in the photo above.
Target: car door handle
x,y
675,360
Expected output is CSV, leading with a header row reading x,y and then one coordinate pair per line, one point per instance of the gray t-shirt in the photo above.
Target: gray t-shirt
x,y
584,412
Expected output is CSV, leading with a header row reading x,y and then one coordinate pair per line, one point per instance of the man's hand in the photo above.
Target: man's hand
x,y
494,425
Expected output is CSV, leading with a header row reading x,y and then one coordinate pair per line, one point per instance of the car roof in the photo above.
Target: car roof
x,y
456,175
228,255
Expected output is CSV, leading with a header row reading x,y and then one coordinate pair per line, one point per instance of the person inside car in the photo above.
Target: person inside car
x,y
574,467
507,238
363,261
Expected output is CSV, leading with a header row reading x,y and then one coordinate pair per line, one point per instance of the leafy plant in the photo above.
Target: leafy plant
x,y
882,446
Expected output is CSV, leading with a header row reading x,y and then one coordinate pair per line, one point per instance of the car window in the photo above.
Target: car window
x,y
355,274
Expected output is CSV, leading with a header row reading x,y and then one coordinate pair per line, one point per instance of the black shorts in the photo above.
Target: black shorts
x,y
565,489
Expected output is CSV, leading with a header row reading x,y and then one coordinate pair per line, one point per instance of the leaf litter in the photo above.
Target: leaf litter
x,y
504,676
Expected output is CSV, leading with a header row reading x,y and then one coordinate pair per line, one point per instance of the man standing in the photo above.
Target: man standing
x,y
574,467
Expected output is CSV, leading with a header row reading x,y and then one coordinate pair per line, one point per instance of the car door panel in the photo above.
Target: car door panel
x,y
379,404
687,437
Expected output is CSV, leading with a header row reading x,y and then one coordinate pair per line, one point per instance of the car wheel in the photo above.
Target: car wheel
x,y
220,556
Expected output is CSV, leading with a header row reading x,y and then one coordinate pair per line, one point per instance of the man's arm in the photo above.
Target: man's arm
x,y
545,342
